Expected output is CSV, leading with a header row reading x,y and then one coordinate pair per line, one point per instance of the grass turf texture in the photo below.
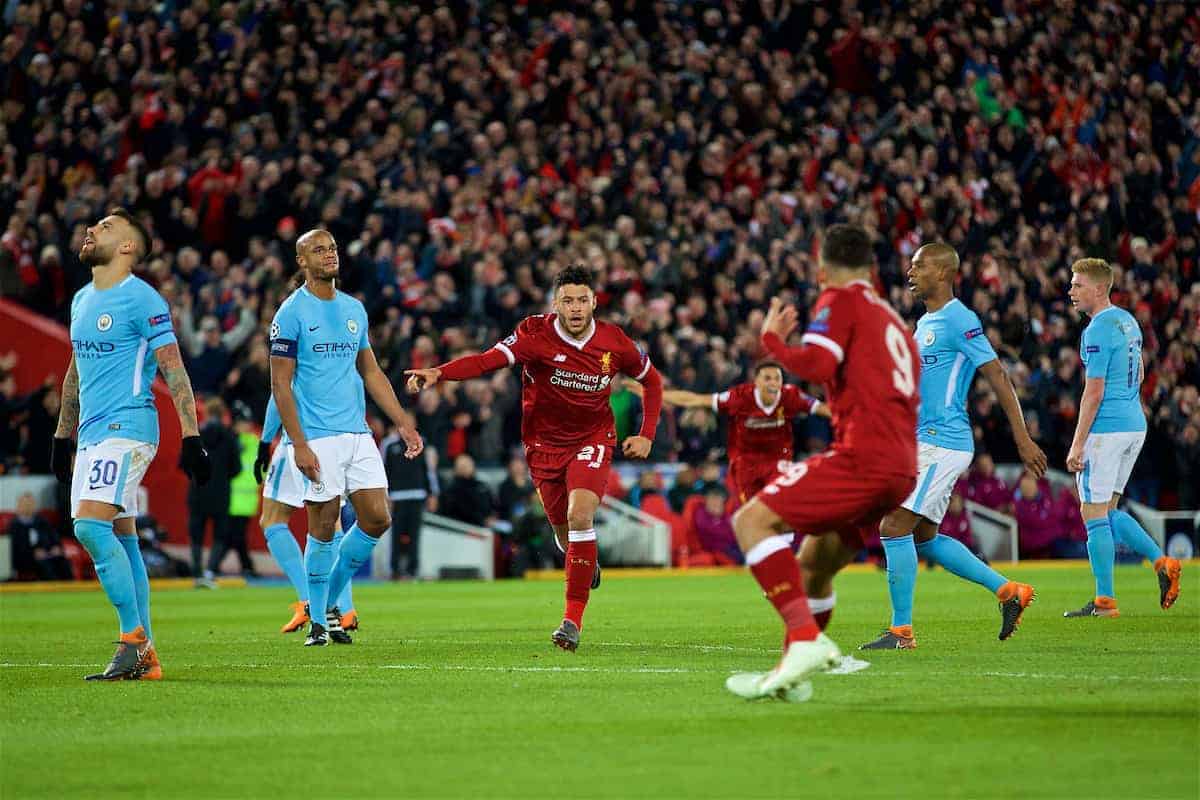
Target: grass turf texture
x,y
455,690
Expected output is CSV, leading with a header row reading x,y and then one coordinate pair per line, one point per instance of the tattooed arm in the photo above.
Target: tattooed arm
x,y
170,364
68,412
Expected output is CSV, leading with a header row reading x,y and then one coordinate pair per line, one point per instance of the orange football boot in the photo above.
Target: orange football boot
x,y
299,618
1014,599
1168,570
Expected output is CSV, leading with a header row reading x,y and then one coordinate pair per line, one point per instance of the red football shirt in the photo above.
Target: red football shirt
x,y
566,381
758,432
865,354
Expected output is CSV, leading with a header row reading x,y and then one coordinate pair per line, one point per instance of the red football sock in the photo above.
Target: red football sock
x,y
822,618
777,573
581,565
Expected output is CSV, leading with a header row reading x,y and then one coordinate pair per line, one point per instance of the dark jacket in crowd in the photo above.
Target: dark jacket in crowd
x,y
224,453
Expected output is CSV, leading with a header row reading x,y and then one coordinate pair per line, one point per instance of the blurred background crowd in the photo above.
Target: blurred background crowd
x,y
690,153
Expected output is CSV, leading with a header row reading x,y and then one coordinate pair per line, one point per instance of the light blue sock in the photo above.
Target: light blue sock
x,y
1100,553
112,568
141,581
344,600
287,554
902,577
318,561
1126,529
955,557
355,551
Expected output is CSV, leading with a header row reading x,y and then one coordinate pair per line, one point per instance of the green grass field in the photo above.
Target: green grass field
x,y
453,690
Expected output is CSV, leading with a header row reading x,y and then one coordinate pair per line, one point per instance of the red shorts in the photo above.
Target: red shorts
x,y
831,492
557,471
749,477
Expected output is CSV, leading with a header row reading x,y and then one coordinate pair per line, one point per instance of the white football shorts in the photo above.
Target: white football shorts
x,y
285,483
349,462
111,472
938,469
1108,458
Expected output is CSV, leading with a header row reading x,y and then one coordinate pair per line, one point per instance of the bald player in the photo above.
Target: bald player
x,y
953,346
322,368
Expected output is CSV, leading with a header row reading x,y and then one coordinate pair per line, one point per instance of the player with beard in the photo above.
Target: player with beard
x,y
569,360
120,334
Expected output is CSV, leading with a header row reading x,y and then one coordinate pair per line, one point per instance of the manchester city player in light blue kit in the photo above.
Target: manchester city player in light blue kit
x,y
283,493
321,362
1109,433
953,346
120,331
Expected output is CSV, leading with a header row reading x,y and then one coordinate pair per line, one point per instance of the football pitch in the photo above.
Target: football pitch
x,y
454,690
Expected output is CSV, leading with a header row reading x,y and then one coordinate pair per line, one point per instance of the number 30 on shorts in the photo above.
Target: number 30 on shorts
x,y
594,455
104,473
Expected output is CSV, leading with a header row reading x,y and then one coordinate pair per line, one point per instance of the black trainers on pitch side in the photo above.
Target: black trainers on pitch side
x,y
567,636
317,636
333,624
126,664
596,577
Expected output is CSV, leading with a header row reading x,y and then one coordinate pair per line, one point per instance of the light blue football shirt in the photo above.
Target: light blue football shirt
x,y
1111,348
114,333
952,346
324,336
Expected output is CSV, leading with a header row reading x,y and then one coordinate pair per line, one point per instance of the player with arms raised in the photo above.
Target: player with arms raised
x,y
321,364
1109,436
953,345
862,351
120,330
569,360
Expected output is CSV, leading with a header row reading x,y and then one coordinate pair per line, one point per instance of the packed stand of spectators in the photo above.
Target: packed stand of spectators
x,y
689,153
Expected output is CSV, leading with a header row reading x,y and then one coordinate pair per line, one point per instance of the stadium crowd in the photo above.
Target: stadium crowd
x,y
689,153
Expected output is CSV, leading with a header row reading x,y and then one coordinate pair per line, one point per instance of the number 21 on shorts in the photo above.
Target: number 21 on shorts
x,y
594,455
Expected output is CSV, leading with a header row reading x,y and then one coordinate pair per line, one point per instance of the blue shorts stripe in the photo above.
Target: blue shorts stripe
x,y
280,467
1085,488
921,492
120,490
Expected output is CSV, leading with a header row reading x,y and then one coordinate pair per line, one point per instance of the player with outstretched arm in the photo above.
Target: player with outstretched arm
x,y
569,361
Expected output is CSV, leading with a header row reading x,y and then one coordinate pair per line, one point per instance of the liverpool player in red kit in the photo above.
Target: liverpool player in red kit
x,y
864,354
569,361
761,418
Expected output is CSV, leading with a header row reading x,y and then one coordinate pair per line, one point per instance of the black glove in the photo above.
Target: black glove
x,y
193,459
60,458
262,461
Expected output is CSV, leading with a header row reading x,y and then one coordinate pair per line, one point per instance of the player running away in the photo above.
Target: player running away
x,y
862,351
761,418
569,361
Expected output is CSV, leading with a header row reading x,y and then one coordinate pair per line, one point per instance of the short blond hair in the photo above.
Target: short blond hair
x,y
1097,269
